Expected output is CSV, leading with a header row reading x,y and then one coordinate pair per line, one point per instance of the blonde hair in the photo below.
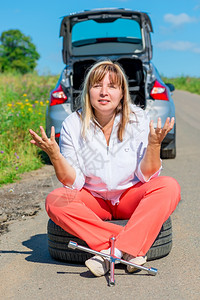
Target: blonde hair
x,y
117,76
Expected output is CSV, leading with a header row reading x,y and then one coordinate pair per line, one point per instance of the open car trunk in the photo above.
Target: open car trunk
x,y
106,32
133,68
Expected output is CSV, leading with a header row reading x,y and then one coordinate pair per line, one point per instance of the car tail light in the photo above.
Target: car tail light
x,y
58,96
159,92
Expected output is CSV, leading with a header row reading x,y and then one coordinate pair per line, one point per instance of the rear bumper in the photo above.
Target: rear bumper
x,y
55,115
162,109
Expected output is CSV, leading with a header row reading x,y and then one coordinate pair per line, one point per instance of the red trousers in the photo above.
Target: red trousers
x,y
146,205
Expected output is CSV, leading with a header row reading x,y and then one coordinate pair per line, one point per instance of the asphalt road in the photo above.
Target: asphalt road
x,y
27,270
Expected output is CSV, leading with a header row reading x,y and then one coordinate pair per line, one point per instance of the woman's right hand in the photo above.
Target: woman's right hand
x,y
49,145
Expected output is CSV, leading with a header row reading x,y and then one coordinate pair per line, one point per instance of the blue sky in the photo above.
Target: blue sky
x,y
176,24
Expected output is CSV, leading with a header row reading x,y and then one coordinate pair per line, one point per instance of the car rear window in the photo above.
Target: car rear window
x,y
120,30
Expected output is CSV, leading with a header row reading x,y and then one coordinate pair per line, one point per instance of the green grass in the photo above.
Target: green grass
x,y
23,100
190,84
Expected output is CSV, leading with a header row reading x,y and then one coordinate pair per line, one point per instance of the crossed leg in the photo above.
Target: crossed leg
x,y
146,205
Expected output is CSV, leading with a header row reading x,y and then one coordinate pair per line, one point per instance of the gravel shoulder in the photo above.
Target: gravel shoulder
x,y
23,198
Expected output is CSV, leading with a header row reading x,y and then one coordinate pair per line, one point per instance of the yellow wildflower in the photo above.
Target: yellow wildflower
x,y
9,105
41,103
47,101
36,101
30,109
26,100
25,95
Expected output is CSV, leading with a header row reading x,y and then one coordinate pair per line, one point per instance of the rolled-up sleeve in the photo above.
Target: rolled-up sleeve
x,y
141,177
70,153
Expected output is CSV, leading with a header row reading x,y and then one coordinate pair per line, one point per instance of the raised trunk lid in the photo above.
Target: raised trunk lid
x,y
106,32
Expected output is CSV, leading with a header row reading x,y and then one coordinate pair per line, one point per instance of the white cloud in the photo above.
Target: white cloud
x,y
197,7
196,50
178,20
179,46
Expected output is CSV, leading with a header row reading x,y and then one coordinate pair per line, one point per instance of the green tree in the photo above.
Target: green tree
x,y
17,52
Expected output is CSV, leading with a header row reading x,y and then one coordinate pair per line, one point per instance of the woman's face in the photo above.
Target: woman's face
x,y
105,96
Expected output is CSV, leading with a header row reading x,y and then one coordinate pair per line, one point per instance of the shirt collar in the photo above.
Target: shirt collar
x,y
94,122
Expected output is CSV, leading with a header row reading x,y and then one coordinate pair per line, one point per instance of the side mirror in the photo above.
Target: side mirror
x,y
170,86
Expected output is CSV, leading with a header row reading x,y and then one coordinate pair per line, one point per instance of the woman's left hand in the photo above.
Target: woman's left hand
x,y
156,135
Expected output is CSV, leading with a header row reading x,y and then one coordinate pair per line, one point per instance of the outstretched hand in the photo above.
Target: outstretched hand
x,y
49,145
156,135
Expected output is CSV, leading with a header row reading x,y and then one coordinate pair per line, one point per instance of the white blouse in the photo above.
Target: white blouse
x,y
106,171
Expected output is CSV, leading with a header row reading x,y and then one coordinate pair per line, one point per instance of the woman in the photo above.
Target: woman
x,y
109,162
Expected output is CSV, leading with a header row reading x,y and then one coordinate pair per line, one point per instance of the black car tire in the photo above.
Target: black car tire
x,y
170,152
58,240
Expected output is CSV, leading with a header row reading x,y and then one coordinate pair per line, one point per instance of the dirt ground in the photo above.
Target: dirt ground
x,y
23,198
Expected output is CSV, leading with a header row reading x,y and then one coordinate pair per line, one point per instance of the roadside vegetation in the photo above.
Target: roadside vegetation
x,y
17,52
185,83
23,101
